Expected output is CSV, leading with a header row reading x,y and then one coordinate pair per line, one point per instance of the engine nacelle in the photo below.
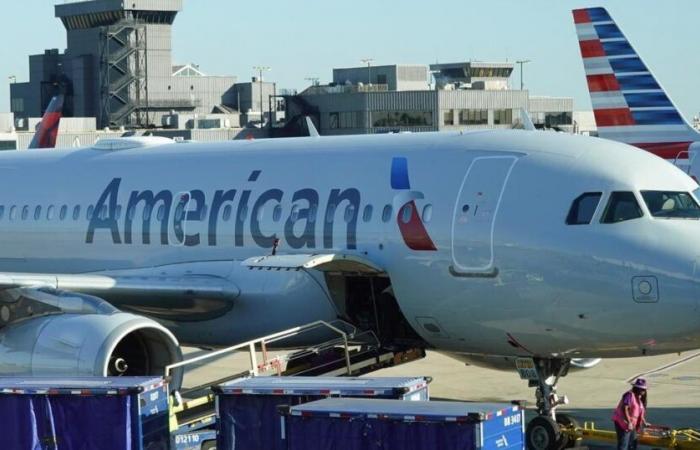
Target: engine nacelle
x,y
117,344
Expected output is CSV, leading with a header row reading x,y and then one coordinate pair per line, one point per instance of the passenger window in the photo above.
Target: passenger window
x,y
427,213
294,213
621,206
118,212
161,213
90,210
386,214
583,208
367,213
330,213
277,213
406,213
13,213
243,213
313,210
2,211
37,213
64,211
76,212
25,212
349,213
227,212
179,213
147,212
203,213
50,212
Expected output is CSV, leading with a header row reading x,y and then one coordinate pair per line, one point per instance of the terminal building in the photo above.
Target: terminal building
x,y
119,78
118,68
457,96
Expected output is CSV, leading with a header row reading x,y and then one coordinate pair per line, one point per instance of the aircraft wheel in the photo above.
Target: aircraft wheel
x,y
542,433
566,422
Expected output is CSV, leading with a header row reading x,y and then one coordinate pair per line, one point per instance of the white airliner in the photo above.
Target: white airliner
x,y
628,103
488,246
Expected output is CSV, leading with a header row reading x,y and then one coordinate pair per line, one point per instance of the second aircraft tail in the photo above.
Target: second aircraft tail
x,y
47,130
628,103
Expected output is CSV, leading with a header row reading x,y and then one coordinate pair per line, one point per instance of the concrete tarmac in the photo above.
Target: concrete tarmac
x,y
674,393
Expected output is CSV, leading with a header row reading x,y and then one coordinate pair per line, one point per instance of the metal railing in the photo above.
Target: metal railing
x,y
263,342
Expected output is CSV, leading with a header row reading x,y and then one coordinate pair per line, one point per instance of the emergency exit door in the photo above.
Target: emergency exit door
x,y
475,214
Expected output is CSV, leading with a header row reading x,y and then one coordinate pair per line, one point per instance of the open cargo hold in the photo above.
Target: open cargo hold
x,y
74,413
358,424
247,414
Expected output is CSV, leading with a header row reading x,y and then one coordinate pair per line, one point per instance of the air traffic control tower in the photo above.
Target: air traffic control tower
x,y
118,66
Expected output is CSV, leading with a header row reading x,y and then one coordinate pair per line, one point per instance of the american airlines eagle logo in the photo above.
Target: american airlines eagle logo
x,y
410,223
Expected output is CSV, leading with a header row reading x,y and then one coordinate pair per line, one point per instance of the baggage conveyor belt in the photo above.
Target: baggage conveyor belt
x,y
352,354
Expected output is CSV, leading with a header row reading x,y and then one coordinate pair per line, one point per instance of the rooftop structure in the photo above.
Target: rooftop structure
x,y
472,75
395,77
391,98
118,67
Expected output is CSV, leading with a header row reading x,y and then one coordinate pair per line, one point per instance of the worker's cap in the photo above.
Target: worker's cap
x,y
640,383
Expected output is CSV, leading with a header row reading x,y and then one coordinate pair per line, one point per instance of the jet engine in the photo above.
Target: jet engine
x,y
97,341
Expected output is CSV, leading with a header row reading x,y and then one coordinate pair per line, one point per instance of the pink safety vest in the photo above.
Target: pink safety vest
x,y
636,411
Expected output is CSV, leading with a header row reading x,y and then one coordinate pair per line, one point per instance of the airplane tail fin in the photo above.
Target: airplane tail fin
x,y
47,131
628,103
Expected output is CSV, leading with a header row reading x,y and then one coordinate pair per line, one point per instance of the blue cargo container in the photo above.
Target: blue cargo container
x,y
247,408
359,424
76,413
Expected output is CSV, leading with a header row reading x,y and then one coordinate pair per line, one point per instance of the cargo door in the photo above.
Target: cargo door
x,y
475,215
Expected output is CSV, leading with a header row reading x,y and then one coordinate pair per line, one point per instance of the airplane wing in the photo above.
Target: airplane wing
x,y
213,287
47,131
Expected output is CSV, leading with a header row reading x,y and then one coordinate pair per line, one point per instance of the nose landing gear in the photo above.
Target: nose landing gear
x,y
544,432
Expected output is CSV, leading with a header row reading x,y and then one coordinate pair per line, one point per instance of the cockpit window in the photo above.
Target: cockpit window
x,y
583,208
621,206
671,205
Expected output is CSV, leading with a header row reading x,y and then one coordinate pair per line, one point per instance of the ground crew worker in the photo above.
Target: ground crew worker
x,y
630,415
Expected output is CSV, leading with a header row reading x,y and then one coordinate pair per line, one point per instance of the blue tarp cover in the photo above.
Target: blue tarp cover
x,y
252,421
322,433
65,422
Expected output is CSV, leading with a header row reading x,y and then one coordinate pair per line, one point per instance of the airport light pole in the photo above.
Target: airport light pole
x,y
368,61
260,70
522,62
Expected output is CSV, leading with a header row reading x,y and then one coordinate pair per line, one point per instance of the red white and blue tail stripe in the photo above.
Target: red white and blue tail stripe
x,y
628,103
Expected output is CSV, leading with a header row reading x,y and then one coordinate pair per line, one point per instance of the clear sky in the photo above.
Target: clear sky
x,y
300,39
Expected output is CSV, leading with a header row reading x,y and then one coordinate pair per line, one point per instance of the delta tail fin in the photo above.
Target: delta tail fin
x,y
628,103
47,131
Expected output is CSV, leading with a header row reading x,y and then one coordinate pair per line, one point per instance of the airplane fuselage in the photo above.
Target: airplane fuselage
x,y
471,230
